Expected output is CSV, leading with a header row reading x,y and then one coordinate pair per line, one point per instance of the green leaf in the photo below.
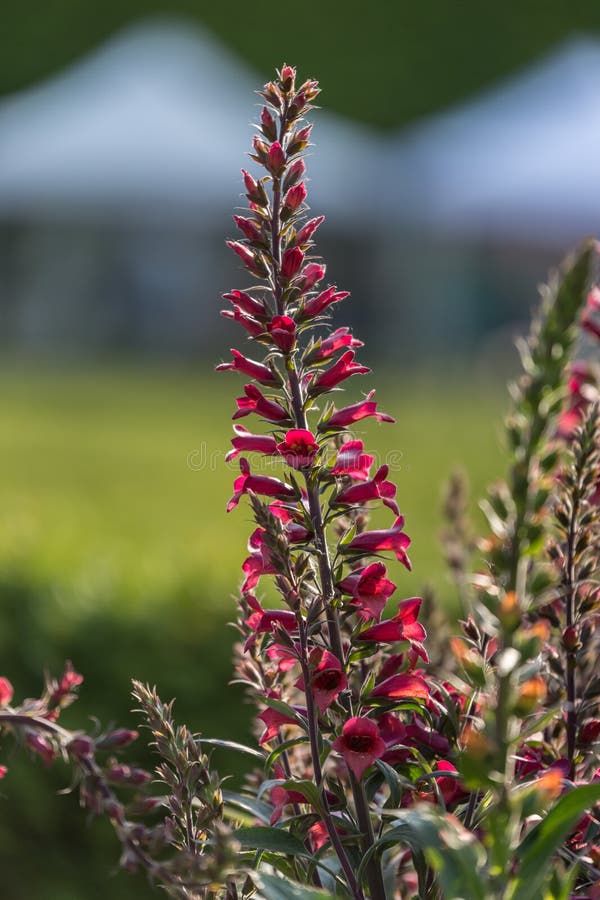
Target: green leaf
x,y
276,840
251,805
270,887
233,745
284,708
393,780
456,855
538,846
281,748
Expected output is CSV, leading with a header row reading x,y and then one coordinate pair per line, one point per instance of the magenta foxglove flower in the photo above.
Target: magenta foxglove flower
x,y
257,443
327,678
394,539
299,448
336,341
273,720
310,275
341,418
265,485
246,303
353,461
377,489
306,232
258,563
6,691
283,331
369,588
403,627
262,620
255,402
250,367
360,744
344,368
317,305
402,687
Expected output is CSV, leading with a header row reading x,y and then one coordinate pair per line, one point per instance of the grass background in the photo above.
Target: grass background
x,y
117,553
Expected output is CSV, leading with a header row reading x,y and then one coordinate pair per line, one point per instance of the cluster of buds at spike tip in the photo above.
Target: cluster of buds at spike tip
x,y
312,507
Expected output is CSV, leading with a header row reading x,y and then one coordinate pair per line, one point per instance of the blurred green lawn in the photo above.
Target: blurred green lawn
x,y
120,473
116,551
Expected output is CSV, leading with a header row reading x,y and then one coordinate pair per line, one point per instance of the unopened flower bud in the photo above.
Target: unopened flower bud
x,y
254,190
530,695
248,227
288,76
295,197
294,174
276,158
121,737
291,262
299,140
570,639
81,747
269,128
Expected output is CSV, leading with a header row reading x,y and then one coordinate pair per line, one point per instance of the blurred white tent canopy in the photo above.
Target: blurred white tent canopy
x,y
155,125
521,161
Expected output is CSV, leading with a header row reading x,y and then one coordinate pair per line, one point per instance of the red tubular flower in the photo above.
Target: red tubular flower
x,y
258,563
261,373
310,275
327,678
273,720
250,259
246,303
377,489
403,626
402,687
291,262
337,341
251,325
6,691
360,744
295,197
341,418
254,401
306,232
352,461
283,331
258,484
317,305
393,539
257,443
262,621
344,368
248,227
299,448
369,588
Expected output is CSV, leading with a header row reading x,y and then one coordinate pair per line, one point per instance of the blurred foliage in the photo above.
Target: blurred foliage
x,y
386,64
114,552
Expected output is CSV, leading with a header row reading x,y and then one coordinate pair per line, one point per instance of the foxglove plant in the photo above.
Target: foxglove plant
x,y
381,775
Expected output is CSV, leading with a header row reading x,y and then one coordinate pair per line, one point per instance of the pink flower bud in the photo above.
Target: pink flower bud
x,y
6,691
299,140
41,746
291,262
254,190
269,128
590,732
81,747
248,227
294,174
261,150
121,737
288,76
276,158
570,638
295,197
3,771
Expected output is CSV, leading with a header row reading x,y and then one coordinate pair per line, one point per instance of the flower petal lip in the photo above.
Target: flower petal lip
x,y
299,448
360,744
353,461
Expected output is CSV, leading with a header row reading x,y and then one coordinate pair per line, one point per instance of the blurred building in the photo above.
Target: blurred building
x,y
118,178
